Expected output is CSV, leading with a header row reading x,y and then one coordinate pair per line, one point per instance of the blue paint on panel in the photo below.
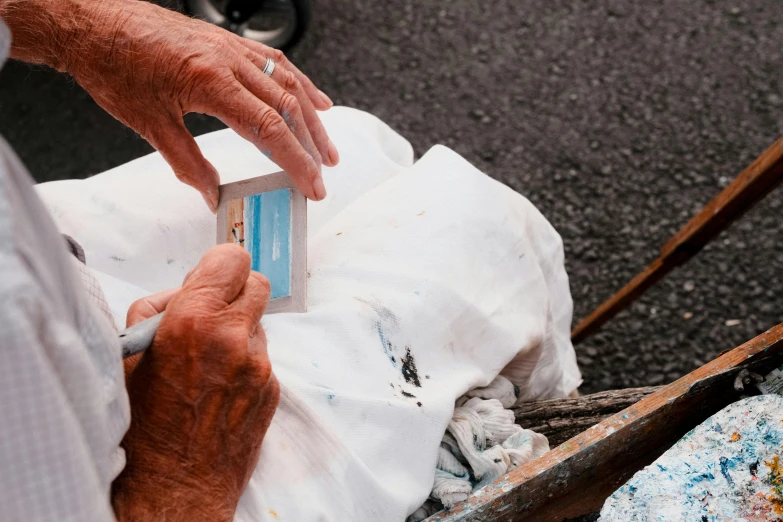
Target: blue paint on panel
x,y
268,238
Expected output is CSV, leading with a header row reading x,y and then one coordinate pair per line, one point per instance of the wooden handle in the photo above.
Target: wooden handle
x,y
750,187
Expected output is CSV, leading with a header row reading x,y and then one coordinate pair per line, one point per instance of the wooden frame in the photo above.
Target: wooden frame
x,y
750,187
576,478
296,301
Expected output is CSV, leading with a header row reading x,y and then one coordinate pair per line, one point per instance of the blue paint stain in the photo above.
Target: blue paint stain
x,y
725,464
704,476
289,120
329,397
314,364
387,346
661,467
268,238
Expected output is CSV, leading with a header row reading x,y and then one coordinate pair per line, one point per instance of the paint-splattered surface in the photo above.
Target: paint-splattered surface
x,y
727,468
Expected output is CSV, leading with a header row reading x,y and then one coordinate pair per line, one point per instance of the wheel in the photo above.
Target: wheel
x,y
276,23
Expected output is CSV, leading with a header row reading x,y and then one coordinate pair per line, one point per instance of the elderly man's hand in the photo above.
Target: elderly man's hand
x,y
202,397
149,66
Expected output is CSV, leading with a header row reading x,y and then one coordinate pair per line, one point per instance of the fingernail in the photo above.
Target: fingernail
x,y
211,198
328,101
334,156
319,189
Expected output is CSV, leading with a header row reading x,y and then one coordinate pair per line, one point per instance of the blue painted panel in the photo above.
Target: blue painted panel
x,y
268,237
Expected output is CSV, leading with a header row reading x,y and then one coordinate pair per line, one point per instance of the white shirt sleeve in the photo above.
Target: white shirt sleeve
x,y
63,404
47,470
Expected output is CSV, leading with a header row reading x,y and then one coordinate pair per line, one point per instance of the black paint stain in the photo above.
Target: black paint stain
x,y
409,372
169,261
496,460
119,259
754,468
418,404
406,394
426,376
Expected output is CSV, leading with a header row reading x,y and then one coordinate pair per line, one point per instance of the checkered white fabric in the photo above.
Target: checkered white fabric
x,y
94,291
63,404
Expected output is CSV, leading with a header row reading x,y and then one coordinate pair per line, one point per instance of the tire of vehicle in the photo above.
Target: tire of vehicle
x,y
283,38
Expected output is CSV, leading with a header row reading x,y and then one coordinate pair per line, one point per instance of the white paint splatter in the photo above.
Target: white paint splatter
x,y
276,237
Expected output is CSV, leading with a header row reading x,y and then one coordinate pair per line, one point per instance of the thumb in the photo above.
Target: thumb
x,y
177,146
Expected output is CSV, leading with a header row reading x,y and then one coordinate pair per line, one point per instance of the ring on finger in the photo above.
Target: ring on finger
x,y
269,67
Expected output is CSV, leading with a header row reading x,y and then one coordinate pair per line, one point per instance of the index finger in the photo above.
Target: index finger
x,y
148,306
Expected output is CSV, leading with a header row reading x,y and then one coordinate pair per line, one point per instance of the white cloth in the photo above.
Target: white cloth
x,y
426,279
481,443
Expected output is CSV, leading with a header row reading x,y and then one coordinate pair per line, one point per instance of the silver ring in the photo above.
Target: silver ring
x,y
269,67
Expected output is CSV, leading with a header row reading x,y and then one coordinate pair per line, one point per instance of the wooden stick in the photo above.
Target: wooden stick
x,y
755,182
576,477
561,419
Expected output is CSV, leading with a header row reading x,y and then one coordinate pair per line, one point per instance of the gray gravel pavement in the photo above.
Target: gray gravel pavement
x,y
618,119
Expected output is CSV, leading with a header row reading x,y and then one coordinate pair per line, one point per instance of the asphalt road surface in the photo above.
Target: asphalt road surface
x,y
618,119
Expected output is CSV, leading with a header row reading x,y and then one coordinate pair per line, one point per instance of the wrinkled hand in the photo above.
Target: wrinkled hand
x,y
202,396
149,66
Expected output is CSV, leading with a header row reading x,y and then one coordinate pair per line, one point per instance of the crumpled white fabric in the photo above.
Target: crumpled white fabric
x,y
431,264
481,443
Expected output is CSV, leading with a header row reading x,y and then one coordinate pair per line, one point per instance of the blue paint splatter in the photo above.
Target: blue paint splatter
x,y
387,345
268,238
725,464
329,397
289,120
314,364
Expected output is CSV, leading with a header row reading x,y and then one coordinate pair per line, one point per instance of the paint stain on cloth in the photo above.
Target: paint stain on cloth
x,y
387,325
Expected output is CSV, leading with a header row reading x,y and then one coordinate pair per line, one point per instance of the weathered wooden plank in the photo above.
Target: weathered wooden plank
x,y
755,182
561,419
576,477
